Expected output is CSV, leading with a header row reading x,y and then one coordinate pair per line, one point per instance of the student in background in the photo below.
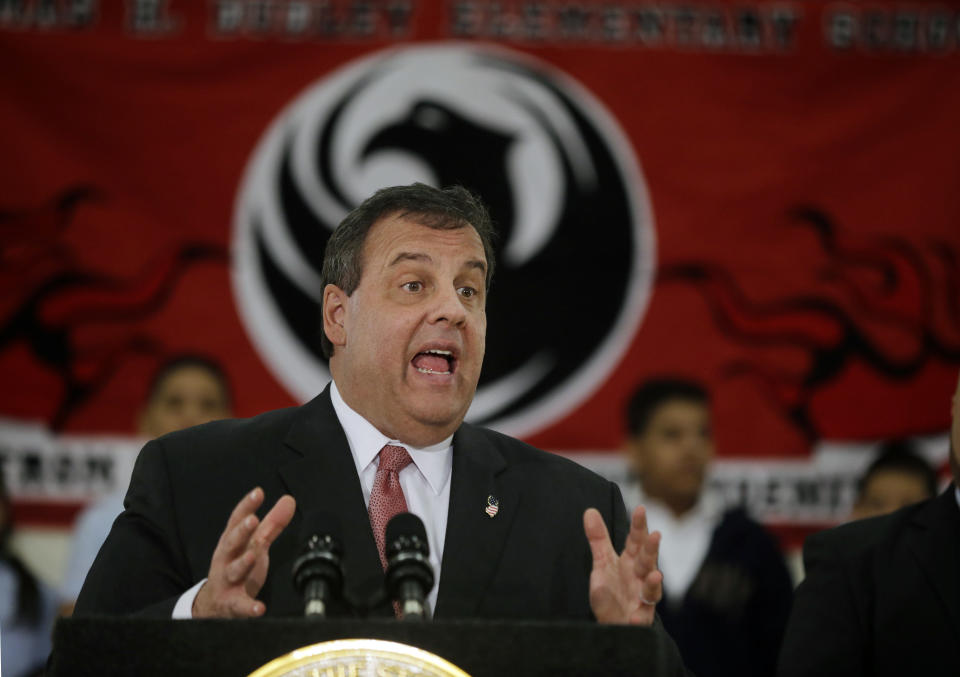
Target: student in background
x,y
27,607
186,390
727,590
896,478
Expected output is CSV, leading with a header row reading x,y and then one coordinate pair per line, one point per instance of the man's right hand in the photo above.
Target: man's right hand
x,y
239,564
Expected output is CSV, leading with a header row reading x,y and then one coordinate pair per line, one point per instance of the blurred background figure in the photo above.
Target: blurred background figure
x,y
186,390
727,590
27,606
896,478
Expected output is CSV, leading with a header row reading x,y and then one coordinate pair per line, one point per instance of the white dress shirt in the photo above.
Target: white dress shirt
x,y
425,483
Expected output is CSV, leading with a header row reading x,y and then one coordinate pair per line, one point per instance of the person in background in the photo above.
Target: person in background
x,y
27,606
186,390
727,590
896,478
882,595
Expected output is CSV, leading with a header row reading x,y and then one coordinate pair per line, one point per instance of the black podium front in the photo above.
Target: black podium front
x,y
132,646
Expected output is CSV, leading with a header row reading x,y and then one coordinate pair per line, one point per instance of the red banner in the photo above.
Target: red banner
x,y
762,196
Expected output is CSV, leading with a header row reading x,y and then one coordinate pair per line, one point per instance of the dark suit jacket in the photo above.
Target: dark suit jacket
x,y
881,597
530,561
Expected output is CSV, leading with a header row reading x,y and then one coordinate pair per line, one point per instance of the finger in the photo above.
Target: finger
x,y
597,536
239,568
638,532
232,603
652,588
273,523
237,539
247,506
242,605
647,561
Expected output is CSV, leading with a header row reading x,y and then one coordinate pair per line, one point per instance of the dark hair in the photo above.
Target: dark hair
x,y
28,590
653,393
443,209
190,361
899,456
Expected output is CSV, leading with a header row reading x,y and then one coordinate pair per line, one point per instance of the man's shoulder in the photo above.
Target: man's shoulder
x,y
211,442
228,429
738,525
867,538
520,455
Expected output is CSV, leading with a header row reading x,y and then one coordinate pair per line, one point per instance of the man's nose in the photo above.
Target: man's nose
x,y
448,307
194,414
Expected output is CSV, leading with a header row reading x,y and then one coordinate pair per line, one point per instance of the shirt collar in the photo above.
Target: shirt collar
x,y
435,462
707,511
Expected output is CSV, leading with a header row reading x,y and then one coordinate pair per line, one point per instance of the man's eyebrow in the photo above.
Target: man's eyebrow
x,y
478,264
419,256
410,256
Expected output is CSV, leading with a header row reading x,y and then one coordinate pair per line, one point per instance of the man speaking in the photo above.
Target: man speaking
x,y
516,532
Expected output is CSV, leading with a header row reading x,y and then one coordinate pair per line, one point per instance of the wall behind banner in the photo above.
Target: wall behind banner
x,y
759,195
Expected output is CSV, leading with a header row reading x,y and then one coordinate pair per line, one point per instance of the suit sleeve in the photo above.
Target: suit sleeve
x,y
141,568
825,633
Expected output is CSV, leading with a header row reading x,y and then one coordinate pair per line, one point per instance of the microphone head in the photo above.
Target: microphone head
x,y
321,552
405,532
321,530
409,576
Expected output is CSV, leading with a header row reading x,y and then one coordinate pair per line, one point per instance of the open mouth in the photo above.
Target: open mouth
x,y
435,361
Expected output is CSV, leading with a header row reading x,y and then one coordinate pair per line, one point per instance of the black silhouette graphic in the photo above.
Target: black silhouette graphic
x,y
50,298
896,309
592,244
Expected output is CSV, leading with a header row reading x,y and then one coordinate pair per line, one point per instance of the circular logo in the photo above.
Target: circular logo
x,y
359,657
576,251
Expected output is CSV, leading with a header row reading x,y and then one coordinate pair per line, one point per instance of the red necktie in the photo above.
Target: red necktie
x,y
386,498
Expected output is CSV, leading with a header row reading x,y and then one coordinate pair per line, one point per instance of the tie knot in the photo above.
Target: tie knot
x,y
394,459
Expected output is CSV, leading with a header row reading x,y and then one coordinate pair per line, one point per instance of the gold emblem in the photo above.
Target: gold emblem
x,y
359,658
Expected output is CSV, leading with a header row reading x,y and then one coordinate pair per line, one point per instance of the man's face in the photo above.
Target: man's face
x,y
672,455
889,490
409,342
186,397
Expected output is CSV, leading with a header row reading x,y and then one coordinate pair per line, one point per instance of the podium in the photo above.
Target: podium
x,y
141,646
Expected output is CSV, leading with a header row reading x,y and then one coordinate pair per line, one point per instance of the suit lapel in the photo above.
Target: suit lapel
x,y
933,541
324,478
474,541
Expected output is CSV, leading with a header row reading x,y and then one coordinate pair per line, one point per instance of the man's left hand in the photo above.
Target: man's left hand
x,y
624,588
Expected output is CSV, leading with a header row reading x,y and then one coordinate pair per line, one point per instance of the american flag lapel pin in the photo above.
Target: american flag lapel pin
x,y
493,506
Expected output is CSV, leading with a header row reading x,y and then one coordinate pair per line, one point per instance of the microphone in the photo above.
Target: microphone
x,y
317,572
409,575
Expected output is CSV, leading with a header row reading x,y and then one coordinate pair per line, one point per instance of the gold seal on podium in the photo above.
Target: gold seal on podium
x,y
359,658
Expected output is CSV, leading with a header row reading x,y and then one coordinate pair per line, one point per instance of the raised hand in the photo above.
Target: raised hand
x,y
240,561
624,588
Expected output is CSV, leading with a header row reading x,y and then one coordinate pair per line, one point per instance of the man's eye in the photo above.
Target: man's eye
x,y
174,402
413,286
467,292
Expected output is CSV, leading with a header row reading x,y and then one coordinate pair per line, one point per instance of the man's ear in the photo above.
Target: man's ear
x,y
334,314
